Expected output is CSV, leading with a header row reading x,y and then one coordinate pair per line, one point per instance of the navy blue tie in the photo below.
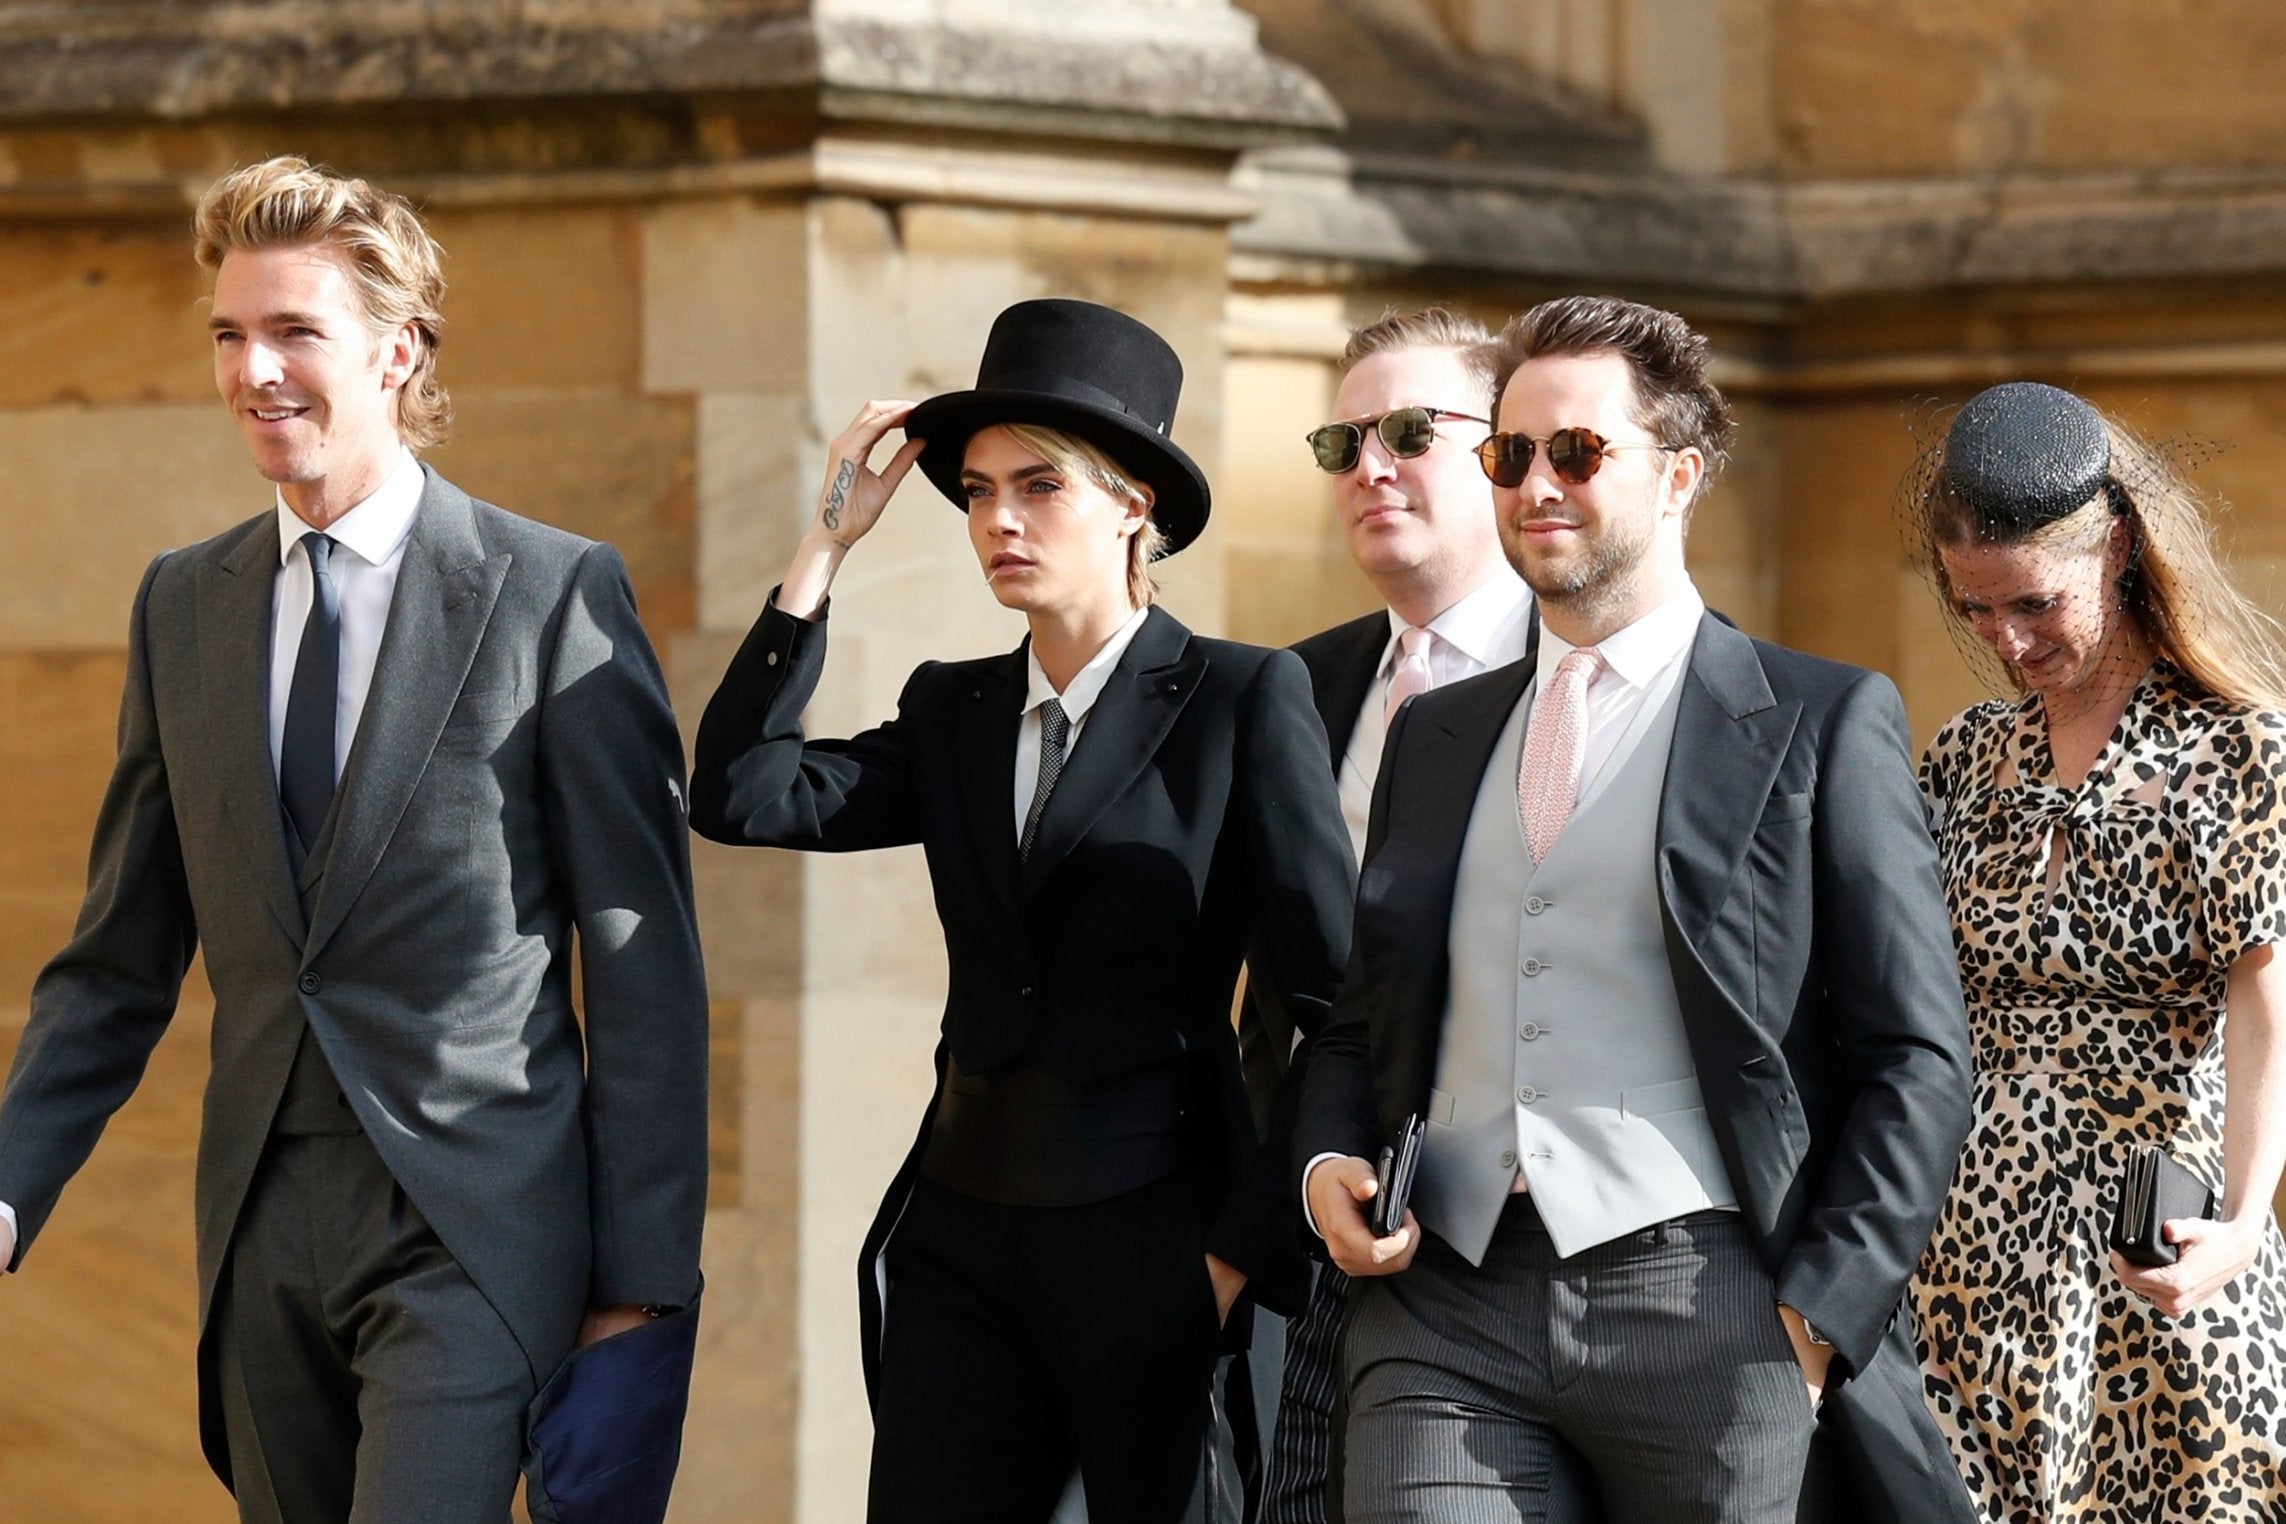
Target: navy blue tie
x,y
305,757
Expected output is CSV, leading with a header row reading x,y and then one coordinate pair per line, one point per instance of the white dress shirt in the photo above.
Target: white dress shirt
x,y
1642,663
1078,698
1488,628
374,533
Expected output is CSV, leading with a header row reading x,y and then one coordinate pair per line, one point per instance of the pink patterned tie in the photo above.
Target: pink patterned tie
x,y
1411,675
1548,782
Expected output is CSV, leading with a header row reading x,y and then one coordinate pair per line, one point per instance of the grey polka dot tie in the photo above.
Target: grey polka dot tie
x,y
1055,734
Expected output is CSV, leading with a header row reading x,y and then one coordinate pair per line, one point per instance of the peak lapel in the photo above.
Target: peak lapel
x,y
988,763
1731,733
446,589
1342,666
1155,678
1452,743
236,587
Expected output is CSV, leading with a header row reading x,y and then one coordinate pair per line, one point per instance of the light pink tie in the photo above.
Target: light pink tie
x,y
1411,675
1548,782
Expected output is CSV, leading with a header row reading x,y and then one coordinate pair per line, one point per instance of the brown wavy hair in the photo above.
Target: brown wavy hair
x,y
1675,402
398,269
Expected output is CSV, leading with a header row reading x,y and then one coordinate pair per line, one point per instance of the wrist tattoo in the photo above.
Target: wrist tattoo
x,y
837,496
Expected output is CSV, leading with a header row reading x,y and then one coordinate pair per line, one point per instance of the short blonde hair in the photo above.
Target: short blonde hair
x,y
1076,457
398,269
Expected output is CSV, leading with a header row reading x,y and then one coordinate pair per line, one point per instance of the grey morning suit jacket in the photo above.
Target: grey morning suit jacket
x,y
516,776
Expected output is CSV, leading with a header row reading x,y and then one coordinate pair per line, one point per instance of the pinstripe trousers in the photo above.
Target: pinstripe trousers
x,y
1646,1380
1302,1481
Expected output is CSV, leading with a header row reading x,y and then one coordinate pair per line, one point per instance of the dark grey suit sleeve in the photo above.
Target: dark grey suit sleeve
x,y
1304,885
756,782
101,1006
1892,987
611,764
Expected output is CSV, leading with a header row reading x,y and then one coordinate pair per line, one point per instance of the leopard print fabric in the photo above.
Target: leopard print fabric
x,y
2095,996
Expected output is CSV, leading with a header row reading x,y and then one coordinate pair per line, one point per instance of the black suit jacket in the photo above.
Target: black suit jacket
x,y
1812,954
1194,827
1341,663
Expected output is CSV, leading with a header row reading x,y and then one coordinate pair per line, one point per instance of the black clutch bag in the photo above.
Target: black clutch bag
x,y
2156,1191
1399,1164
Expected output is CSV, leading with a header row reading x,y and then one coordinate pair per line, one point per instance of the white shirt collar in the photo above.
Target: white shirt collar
x,y
1086,686
376,527
1640,651
1472,625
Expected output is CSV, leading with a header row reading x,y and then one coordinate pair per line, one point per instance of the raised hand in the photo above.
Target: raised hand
x,y
854,494
849,504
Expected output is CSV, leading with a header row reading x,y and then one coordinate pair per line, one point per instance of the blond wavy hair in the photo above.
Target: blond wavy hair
x,y
2175,586
1076,457
397,268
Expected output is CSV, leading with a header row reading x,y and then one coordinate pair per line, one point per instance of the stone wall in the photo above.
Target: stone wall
x,y
687,239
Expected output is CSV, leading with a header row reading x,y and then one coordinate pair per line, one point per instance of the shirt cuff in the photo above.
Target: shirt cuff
x,y
1307,1215
8,1216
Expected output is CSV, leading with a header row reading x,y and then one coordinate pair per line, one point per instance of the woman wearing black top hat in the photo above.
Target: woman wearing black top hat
x,y
1116,814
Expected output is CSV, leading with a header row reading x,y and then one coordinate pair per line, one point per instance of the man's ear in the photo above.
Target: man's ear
x,y
400,352
1684,473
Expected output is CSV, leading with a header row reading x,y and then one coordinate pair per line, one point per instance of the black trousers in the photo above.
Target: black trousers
x,y
1020,1341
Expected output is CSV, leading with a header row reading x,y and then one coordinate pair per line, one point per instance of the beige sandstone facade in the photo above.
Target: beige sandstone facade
x,y
687,237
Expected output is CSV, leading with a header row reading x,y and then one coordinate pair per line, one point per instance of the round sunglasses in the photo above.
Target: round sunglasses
x,y
1405,431
1573,454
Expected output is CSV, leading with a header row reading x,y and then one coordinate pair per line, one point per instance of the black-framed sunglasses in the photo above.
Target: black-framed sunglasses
x,y
1574,455
1407,431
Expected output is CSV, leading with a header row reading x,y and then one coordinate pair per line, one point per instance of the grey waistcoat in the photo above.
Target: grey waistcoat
x,y
1563,1042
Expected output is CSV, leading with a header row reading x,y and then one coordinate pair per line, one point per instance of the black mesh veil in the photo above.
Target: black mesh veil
x,y
2033,517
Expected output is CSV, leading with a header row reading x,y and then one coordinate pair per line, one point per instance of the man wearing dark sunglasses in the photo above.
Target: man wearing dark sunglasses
x,y
1650,943
1414,397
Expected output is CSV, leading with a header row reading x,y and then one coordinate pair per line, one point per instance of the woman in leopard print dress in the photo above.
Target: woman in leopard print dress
x,y
2114,849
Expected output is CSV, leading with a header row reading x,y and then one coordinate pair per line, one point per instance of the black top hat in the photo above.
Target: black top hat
x,y
1089,371
2022,455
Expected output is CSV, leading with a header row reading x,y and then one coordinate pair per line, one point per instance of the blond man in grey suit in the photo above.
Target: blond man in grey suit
x,y
386,754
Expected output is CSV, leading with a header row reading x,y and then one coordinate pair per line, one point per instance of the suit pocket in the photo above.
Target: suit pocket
x,y
489,706
1441,1107
1786,807
1659,1100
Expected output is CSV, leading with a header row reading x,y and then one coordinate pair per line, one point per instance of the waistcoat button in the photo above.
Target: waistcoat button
x,y
1527,1095
1532,966
1531,1029
1535,905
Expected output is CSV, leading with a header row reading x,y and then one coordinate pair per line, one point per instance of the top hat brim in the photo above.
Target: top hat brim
x,y
1180,499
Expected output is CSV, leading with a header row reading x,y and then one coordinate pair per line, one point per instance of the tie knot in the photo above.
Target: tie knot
x,y
1053,720
1413,643
1580,665
319,548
